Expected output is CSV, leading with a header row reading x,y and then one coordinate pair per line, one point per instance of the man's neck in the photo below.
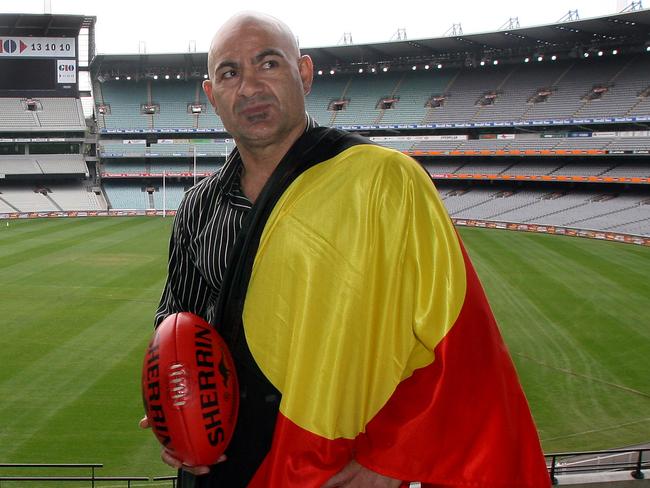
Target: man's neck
x,y
260,161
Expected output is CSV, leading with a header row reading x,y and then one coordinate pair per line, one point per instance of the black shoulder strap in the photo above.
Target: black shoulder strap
x,y
313,147
259,399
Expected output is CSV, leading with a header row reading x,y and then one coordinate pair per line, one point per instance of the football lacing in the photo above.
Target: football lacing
x,y
178,385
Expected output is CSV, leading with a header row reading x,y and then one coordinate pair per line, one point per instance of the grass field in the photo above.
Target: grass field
x,y
78,297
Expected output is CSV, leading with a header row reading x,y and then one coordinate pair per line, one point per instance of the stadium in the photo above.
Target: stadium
x,y
537,139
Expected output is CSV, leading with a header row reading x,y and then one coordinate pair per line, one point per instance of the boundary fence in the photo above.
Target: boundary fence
x,y
633,461
489,224
583,462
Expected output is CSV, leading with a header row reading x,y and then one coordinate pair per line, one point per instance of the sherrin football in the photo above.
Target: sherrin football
x,y
189,389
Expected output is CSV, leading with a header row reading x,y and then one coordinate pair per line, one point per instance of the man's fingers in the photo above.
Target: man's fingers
x,y
170,460
343,476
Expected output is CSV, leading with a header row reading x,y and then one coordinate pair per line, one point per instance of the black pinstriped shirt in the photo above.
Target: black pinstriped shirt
x,y
206,225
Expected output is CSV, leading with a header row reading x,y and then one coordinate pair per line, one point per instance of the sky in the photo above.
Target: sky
x,y
180,25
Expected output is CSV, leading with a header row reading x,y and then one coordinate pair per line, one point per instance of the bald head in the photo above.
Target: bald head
x,y
238,24
258,82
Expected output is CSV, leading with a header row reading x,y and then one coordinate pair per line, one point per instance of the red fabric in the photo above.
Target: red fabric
x,y
462,421
299,458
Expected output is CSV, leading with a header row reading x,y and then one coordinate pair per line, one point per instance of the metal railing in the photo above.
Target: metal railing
x,y
632,460
166,478
562,463
92,478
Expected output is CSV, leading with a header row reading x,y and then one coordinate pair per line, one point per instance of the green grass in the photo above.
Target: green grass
x,y
574,313
78,295
77,302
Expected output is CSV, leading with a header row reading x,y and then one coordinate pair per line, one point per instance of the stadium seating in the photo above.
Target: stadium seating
x,y
49,195
326,89
488,95
46,164
24,198
513,89
637,169
124,99
208,118
173,195
172,98
364,92
51,114
581,209
125,195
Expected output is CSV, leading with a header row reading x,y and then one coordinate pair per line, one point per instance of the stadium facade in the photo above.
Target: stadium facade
x,y
543,128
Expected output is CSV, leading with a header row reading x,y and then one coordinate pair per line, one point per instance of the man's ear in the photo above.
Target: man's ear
x,y
207,88
306,68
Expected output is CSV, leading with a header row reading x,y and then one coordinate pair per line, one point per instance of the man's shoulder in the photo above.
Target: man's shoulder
x,y
373,158
346,144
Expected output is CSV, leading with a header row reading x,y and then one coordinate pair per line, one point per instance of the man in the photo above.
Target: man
x,y
366,352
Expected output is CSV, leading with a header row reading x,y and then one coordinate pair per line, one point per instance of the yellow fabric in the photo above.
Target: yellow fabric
x,y
358,276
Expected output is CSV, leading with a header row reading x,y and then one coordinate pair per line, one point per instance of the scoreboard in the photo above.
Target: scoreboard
x,y
38,66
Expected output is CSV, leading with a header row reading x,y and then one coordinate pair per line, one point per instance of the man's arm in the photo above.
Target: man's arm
x,y
186,290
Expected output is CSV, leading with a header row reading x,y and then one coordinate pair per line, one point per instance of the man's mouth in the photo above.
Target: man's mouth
x,y
256,112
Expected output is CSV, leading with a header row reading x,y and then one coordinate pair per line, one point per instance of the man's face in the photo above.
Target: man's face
x,y
257,84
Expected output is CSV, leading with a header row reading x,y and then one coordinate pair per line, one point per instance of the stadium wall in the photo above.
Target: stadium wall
x,y
540,229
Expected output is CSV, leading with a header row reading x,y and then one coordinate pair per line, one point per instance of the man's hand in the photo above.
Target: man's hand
x,y
170,460
356,476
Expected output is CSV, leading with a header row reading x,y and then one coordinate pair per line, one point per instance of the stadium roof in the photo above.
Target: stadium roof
x,y
565,39
617,30
46,25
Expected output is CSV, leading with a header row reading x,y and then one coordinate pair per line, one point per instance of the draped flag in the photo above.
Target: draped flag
x,y
364,311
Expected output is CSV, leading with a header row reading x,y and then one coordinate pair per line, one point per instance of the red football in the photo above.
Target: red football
x,y
190,390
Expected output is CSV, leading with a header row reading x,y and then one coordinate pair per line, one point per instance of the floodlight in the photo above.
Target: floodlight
x,y
331,71
320,72
495,62
553,58
166,77
426,66
526,60
540,58
360,70
384,69
439,66
155,77
414,67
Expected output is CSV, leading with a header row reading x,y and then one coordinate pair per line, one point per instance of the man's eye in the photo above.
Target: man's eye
x,y
228,74
269,64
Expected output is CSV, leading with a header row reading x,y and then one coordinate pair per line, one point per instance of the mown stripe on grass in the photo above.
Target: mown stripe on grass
x,y
556,309
81,235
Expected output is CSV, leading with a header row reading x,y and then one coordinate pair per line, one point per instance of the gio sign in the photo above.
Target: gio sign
x,y
66,71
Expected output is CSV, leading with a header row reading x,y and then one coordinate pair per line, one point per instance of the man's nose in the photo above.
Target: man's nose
x,y
249,82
